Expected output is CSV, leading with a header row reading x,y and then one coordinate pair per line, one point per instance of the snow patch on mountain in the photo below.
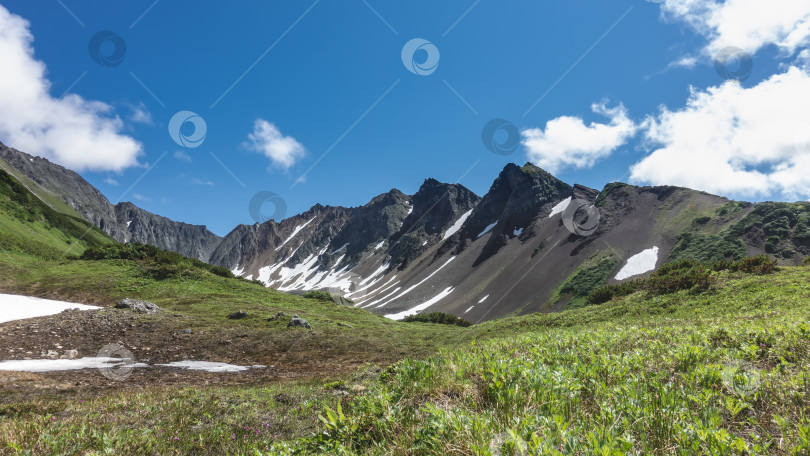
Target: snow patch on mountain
x,y
420,307
408,290
560,207
487,229
457,226
295,231
639,263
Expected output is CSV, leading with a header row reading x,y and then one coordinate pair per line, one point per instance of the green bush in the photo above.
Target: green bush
x,y
438,318
606,293
680,275
755,265
318,295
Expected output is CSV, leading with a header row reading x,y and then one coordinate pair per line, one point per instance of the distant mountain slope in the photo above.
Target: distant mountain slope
x,y
532,243
30,225
124,222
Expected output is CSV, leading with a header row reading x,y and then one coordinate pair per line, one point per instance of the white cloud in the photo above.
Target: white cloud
x,y
751,142
111,181
77,133
140,114
747,24
283,151
568,142
139,197
182,156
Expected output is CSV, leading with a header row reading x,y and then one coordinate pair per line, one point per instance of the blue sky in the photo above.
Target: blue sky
x,y
323,109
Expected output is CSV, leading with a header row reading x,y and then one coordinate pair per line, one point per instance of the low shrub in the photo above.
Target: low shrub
x,y
760,264
680,275
318,295
438,318
606,293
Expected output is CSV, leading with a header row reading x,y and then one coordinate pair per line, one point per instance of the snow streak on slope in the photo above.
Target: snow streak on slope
x,y
560,207
457,226
421,307
295,231
487,229
420,282
639,264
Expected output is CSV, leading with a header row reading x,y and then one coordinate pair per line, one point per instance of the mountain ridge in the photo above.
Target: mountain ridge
x,y
446,249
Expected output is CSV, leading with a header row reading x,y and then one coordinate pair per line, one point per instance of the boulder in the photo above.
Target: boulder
x,y
238,315
138,305
297,321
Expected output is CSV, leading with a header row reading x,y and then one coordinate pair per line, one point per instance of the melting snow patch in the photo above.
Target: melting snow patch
x,y
561,206
471,308
14,307
457,226
51,365
379,246
483,299
420,307
487,229
340,249
210,366
129,223
517,232
420,283
639,264
295,231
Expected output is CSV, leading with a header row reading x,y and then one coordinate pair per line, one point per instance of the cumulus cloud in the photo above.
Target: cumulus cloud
x,y
77,133
747,24
567,142
283,151
752,142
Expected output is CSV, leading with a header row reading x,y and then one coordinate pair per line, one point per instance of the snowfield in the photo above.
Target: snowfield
x,y
639,264
15,307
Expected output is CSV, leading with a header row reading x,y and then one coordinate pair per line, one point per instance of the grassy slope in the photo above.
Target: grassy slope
x,y
41,227
636,375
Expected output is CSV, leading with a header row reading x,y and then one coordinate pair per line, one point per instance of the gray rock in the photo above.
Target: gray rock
x,y
276,316
238,315
297,321
52,354
138,305
70,354
188,331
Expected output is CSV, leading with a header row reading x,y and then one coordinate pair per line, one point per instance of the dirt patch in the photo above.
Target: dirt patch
x,y
163,338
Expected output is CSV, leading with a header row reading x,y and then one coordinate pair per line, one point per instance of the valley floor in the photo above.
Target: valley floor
x,y
719,372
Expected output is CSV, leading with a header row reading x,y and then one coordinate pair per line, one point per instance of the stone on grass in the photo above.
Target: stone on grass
x,y
238,315
297,321
138,305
